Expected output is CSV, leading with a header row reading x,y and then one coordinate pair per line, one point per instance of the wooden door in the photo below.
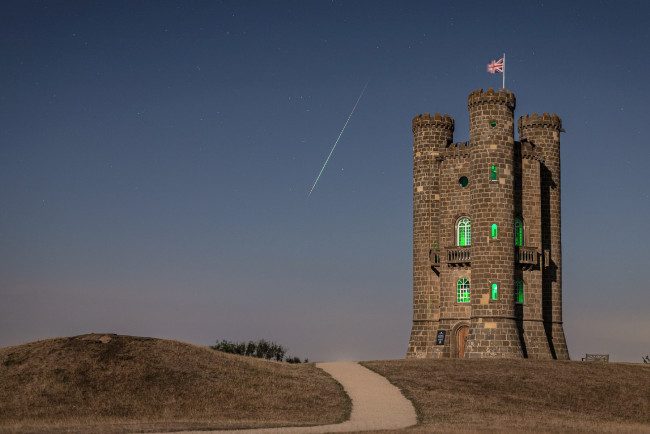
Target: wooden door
x,y
461,340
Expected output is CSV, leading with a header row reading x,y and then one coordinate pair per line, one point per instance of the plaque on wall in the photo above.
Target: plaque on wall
x,y
440,338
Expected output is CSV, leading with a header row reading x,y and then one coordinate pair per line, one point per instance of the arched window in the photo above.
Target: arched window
x,y
462,291
519,233
494,231
464,232
519,291
495,291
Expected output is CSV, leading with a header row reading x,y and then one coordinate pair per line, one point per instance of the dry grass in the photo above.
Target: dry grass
x,y
111,383
523,395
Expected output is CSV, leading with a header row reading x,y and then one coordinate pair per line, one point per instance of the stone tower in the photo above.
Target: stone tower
x,y
486,234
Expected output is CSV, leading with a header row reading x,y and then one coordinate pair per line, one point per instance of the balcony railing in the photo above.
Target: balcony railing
x,y
458,256
526,256
461,256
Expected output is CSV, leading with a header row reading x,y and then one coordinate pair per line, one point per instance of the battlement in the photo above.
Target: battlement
x,y
536,121
490,96
444,122
455,150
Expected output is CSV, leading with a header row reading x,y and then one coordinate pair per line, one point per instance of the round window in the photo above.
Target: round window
x,y
463,181
493,124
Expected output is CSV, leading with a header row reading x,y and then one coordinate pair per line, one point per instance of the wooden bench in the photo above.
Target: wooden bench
x,y
596,358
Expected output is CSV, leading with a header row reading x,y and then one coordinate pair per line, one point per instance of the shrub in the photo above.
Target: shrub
x,y
279,352
646,359
260,349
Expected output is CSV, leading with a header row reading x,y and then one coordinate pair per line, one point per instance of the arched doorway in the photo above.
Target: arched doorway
x,y
461,340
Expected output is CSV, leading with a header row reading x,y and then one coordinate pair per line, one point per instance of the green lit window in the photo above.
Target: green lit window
x,y
493,173
495,291
519,291
493,124
464,232
462,291
519,233
494,231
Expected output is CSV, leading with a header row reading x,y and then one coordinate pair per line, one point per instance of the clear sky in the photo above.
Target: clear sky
x,y
155,160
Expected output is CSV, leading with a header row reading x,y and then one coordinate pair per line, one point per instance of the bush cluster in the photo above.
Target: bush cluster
x,y
260,349
646,359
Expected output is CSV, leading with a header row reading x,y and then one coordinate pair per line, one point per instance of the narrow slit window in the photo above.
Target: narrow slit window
x,y
462,291
519,233
495,291
493,173
494,231
519,291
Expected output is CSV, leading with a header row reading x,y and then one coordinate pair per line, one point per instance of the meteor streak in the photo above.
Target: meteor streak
x,y
337,140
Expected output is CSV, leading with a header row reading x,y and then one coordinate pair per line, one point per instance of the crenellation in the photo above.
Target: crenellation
x,y
546,120
438,121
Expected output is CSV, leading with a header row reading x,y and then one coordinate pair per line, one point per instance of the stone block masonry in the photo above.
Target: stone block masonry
x,y
487,262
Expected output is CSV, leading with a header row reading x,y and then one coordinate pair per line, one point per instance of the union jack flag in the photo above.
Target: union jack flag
x,y
496,66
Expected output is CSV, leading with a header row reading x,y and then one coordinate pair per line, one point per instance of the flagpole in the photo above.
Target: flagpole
x,y
504,71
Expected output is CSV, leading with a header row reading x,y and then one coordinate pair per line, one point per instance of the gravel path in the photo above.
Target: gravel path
x,y
376,404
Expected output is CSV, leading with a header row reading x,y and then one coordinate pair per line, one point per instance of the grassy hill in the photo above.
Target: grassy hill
x,y
454,395
111,383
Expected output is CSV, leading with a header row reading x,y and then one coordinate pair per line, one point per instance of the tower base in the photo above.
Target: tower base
x,y
493,338
535,341
557,341
423,339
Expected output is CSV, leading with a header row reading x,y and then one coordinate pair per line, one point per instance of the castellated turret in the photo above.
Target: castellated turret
x,y
543,133
486,234
431,136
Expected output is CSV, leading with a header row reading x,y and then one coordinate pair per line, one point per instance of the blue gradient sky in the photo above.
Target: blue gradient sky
x,y
155,160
